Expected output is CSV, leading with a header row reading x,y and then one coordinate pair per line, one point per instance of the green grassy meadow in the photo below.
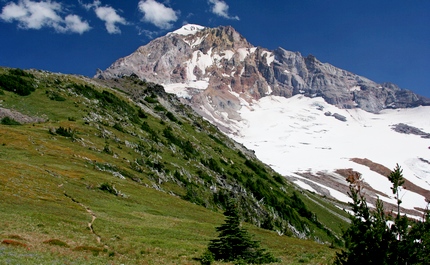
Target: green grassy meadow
x,y
54,209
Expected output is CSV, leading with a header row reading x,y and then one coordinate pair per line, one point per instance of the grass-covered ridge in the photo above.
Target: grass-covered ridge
x,y
119,170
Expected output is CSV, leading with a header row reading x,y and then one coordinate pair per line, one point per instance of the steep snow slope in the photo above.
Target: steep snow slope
x,y
296,135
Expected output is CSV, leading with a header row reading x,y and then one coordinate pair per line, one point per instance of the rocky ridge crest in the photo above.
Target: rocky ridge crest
x,y
214,69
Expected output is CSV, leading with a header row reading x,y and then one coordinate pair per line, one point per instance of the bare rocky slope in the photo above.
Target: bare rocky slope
x,y
221,64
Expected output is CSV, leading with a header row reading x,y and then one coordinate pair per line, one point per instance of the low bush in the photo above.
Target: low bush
x,y
66,132
160,108
118,127
9,121
108,188
151,99
171,116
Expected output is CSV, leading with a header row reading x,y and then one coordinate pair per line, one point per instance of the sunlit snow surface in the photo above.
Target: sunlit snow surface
x,y
183,89
295,135
189,29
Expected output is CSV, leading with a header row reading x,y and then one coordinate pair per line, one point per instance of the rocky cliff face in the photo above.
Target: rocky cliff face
x,y
216,68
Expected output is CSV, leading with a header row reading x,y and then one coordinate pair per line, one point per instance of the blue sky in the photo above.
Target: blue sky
x,y
386,41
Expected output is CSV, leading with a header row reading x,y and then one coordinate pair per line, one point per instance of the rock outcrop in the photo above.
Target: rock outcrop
x,y
216,68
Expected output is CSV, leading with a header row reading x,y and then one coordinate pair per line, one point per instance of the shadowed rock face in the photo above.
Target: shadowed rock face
x,y
234,69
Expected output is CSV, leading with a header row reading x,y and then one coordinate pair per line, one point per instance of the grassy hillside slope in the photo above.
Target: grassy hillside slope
x,y
117,171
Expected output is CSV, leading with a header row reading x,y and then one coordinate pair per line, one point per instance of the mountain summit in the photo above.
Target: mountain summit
x,y
223,64
310,121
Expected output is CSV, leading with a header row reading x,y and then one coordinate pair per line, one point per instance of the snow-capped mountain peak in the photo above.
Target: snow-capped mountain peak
x,y
188,29
250,93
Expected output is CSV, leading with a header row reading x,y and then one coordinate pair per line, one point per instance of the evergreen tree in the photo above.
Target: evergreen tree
x,y
396,178
370,240
234,243
367,237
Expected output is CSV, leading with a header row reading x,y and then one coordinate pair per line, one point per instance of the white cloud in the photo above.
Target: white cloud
x,y
37,15
157,14
75,24
220,8
95,4
107,14
111,18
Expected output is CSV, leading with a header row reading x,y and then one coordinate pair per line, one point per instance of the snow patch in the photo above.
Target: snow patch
x,y
183,89
189,29
269,90
304,186
199,60
243,53
307,140
270,57
355,88
195,42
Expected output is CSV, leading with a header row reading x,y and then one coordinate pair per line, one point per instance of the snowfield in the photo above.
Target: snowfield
x,y
297,134
306,139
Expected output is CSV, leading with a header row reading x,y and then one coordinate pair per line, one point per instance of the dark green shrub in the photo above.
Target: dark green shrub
x,y
160,108
205,176
189,148
212,164
18,82
118,127
300,207
218,141
9,121
179,177
108,188
66,132
194,195
151,99
207,258
168,133
20,72
142,114
152,133
171,116
278,178
107,150
145,127
108,100
257,168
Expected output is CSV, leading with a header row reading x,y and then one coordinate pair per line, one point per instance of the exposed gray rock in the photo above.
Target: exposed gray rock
x,y
19,117
235,69
407,129
339,117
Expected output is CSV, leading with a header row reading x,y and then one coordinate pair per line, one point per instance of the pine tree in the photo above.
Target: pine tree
x,y
367,237
370,240
234,243
396,178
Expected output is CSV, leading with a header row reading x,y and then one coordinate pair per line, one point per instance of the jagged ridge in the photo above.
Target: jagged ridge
x,y
224,59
